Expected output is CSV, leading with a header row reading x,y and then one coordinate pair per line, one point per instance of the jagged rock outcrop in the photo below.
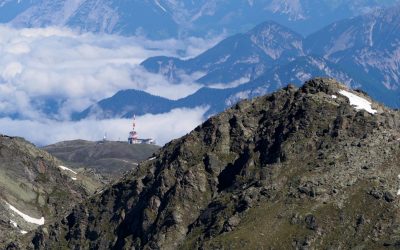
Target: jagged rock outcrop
x,y
297,169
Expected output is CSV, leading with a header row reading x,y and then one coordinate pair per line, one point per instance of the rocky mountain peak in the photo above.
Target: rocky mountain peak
x,y
275,39
310,166
325,85
340,93
238,58
270,25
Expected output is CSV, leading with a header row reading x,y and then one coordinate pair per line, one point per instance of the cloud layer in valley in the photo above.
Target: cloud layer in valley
x,y
58,71
79,69
162,127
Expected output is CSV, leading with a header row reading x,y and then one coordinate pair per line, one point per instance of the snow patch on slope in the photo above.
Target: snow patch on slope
x,y
27,218
67,169
358,102
13,223
16,226
398,191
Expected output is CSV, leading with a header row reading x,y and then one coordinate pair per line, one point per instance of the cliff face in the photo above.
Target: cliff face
x,y
300,168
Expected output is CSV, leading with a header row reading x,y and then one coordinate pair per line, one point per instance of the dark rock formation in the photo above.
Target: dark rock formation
x,y
284,171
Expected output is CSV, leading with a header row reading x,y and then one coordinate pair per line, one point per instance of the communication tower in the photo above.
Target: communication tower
x,y
133,135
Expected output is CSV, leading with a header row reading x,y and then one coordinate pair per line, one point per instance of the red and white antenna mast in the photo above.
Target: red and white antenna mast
x,y
133,136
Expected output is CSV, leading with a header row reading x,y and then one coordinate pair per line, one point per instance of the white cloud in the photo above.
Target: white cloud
x,y
75,70
11,70
233,84
162,127
80,69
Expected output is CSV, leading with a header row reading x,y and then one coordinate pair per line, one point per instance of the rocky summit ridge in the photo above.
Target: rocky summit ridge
x,y
301,168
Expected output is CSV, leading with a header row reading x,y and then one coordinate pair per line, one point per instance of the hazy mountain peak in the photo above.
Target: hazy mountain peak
x,y
292,8
275,39
182,18
48,13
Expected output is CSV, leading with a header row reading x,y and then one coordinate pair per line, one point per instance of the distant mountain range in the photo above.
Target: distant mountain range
x,y
367,46
181,18
362,52
246,55
127,103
